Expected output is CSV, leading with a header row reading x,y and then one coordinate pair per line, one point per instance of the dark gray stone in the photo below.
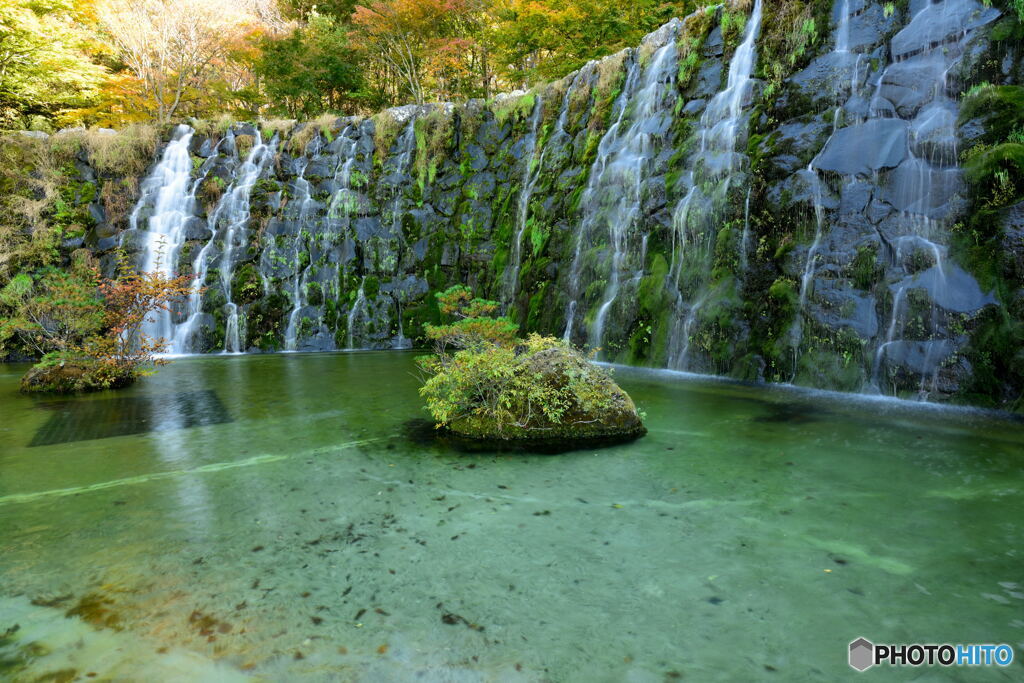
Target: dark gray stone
x,y
714,45
939,23
950,288
863,149
97,213
477,157
369,226
195,228
709,79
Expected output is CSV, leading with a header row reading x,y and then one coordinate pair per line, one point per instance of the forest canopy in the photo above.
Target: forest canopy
x,y
115,62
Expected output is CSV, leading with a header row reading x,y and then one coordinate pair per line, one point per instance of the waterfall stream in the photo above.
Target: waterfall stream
x,y
236,217
169,194
614,194
528,182
722,133
905,145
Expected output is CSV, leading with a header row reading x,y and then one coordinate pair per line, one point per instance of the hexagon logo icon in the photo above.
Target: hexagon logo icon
x,y
862,654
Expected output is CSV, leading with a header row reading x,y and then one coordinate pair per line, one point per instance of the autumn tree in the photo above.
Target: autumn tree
x,y
403,39
173,49
544,40
46,66
311,70
129,301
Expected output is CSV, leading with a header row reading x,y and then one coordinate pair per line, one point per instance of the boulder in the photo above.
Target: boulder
x,y
863,149
599,409
936,24
71,375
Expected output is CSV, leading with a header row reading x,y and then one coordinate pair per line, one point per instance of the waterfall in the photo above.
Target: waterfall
x,y
236,217
843,29
904,152
170,191
614,194
358,310
722,133
530,176
305,200
381,252
406,146
634,219
400,342
840,51
229,220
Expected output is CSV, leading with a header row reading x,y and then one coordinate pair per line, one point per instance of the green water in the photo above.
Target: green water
x,y
274,517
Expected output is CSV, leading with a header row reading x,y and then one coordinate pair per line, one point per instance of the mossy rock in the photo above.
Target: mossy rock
x,y
598,410
246,285
1000,108
997,173
74,375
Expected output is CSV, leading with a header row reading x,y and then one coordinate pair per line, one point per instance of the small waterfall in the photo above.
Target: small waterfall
x,y
843,29
400,342
810,265
530,176
229,220
890,335
319,230
904,152
406,146
381,255
713,167
357,312
840,54
170,191
305,200
613,198
236,216
596,172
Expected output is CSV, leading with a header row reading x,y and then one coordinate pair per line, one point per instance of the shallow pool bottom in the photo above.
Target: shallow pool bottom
x,y
753,533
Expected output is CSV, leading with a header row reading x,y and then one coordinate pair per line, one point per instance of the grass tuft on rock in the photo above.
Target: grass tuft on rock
x,y
497,387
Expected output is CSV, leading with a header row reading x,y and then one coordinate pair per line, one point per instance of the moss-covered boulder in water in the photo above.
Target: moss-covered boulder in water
x,y
66,374
542,390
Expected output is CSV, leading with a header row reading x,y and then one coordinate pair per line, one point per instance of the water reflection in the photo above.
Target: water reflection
x,y
87,419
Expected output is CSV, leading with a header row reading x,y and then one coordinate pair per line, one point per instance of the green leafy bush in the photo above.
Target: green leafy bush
x,y
500,387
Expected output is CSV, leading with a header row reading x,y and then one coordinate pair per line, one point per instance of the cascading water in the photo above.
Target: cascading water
x,y
650,243
304,201
381,252
318,237
228,224
170,192
357,312
236,216
716,164
531,174
613,198
406,146
840,58
903,153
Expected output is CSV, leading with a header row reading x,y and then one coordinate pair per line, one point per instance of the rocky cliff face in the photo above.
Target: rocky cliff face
x,y
785,201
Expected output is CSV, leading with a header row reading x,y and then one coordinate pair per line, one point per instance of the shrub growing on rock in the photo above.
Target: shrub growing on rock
x,y
116,351
498,387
